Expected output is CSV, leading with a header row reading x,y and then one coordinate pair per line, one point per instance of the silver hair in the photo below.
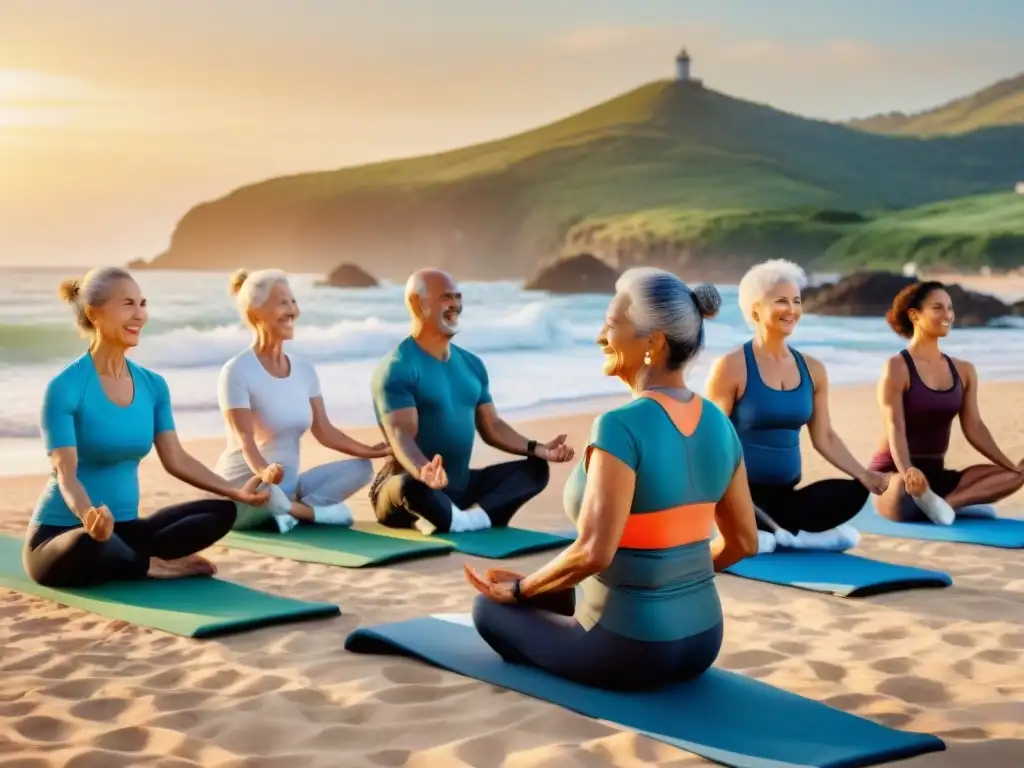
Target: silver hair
x,y
661,301
252,290
416,284
762,278
93,290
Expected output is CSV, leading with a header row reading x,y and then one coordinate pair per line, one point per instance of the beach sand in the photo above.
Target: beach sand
x,y
80,690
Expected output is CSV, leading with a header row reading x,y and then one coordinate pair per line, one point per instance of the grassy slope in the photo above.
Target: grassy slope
x,y
966,233
495,209
999,104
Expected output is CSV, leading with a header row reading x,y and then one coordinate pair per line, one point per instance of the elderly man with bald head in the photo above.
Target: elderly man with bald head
x,y
431,397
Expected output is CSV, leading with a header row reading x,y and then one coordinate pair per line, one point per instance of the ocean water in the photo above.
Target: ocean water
x,y
539,349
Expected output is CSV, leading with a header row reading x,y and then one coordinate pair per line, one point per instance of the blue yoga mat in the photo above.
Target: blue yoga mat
x,y
1002,532
722,716
835,573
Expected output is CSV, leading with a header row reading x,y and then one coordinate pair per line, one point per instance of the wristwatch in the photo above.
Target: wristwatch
x,y
515,589
531,446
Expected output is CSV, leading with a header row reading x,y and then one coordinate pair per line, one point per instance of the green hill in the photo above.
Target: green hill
x,y
999,104
494,210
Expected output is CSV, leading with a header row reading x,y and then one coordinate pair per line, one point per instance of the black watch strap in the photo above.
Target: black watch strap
x,y
531,447
515,589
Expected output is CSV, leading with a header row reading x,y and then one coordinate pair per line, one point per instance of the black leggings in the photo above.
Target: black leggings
x,y
817,507
59,556
500,490
544,634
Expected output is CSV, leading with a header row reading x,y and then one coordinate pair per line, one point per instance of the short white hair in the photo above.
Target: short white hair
x,y
416,283
762,278
659,300
252,290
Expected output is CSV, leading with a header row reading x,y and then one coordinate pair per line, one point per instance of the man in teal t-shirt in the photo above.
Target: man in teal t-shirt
x,y
430,397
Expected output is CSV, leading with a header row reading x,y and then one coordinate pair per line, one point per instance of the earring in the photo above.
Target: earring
x,y
647,358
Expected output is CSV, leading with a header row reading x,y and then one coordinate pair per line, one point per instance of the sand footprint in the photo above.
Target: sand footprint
x,y
897,665
915,690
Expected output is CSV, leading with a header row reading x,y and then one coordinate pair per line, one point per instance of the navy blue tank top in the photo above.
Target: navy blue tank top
x,y
768,422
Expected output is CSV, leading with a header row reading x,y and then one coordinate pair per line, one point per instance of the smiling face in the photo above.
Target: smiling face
x,y
779,310
122,316
623,348
276,318
441,308
935,317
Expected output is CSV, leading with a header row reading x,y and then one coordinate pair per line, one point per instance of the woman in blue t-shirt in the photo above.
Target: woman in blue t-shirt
x,y
101,415
658,475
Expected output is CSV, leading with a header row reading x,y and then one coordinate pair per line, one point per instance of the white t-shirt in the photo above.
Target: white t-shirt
x,y
281,414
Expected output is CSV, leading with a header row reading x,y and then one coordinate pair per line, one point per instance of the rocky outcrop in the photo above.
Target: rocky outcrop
x,y
582,273
349,276
870,294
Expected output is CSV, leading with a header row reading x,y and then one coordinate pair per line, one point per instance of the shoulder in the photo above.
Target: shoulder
x,y
470,359
69,380
302,366
895,367
240,362
399,362
630,417
966,369
156,383
814,366
731,365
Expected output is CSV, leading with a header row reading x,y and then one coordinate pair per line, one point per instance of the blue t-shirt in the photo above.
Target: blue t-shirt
x,y
445,394
110,439
660,584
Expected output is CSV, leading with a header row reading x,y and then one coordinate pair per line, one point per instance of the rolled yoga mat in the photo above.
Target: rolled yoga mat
x,y
1000,532
336,545
194,607
835,573
722,716
494,543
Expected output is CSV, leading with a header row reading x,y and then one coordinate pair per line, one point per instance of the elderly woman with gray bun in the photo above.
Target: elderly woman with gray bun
x,y
657,476
270,399
771,391
101,415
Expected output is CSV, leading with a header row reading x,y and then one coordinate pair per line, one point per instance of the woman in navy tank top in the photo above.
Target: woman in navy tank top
x,y
770,392
921,391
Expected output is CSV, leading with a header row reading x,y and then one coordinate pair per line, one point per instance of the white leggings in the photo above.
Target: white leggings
x,y
317,487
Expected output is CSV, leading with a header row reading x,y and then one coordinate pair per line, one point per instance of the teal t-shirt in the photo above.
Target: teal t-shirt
x,y
650,593
110,439
445,394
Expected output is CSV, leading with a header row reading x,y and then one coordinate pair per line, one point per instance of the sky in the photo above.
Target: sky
x,y
118,116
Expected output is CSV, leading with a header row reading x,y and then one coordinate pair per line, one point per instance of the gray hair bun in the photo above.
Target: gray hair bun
x,y
708,299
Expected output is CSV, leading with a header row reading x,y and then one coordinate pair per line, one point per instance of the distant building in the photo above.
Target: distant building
x,y
683,69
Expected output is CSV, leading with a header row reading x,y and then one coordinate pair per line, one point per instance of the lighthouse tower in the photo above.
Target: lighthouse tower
x,y
683,66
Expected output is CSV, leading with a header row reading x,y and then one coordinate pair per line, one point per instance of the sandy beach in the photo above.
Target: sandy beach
x,y
80,690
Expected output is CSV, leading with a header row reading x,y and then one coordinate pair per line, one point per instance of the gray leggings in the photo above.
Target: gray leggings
x,y
317,487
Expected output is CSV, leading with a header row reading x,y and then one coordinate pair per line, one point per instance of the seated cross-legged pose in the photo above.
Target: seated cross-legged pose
x,y
270,399
101,415
657,476
430,398
770,391
920,392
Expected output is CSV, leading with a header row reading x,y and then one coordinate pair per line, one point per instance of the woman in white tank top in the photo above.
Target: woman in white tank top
x,y
270,400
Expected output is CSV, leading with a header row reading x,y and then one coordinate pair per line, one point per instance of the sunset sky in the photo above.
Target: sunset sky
x,y
116,116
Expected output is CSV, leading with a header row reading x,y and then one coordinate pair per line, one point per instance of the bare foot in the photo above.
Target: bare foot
x,y
163,569
183,567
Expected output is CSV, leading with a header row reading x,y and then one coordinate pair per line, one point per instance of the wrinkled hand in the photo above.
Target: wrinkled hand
x,y
875,482
433,475
499,591
377,451
98,522
272,474
915,482
252,494
555,450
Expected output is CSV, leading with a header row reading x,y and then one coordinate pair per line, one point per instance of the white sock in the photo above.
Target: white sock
x,y
978,512
765,542
335,514
463,520
784,538
279,503
935,508
836,539
285,522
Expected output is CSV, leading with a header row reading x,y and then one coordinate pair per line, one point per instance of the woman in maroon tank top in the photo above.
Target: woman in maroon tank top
x,y
921,392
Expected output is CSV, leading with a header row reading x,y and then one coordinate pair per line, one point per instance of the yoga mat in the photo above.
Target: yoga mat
x,y
722,716
193,607
335,545
835,573
494,543
1001,532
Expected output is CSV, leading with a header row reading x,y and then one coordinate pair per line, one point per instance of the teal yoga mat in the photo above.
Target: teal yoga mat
x,y
494,543
193,607
335,545
1000,532
722,716
836,573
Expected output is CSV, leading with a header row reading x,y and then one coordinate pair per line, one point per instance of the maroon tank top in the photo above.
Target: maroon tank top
x,y
928,418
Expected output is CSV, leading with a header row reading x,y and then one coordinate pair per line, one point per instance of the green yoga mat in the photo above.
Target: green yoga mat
x,y
494,543
335,545
192,607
